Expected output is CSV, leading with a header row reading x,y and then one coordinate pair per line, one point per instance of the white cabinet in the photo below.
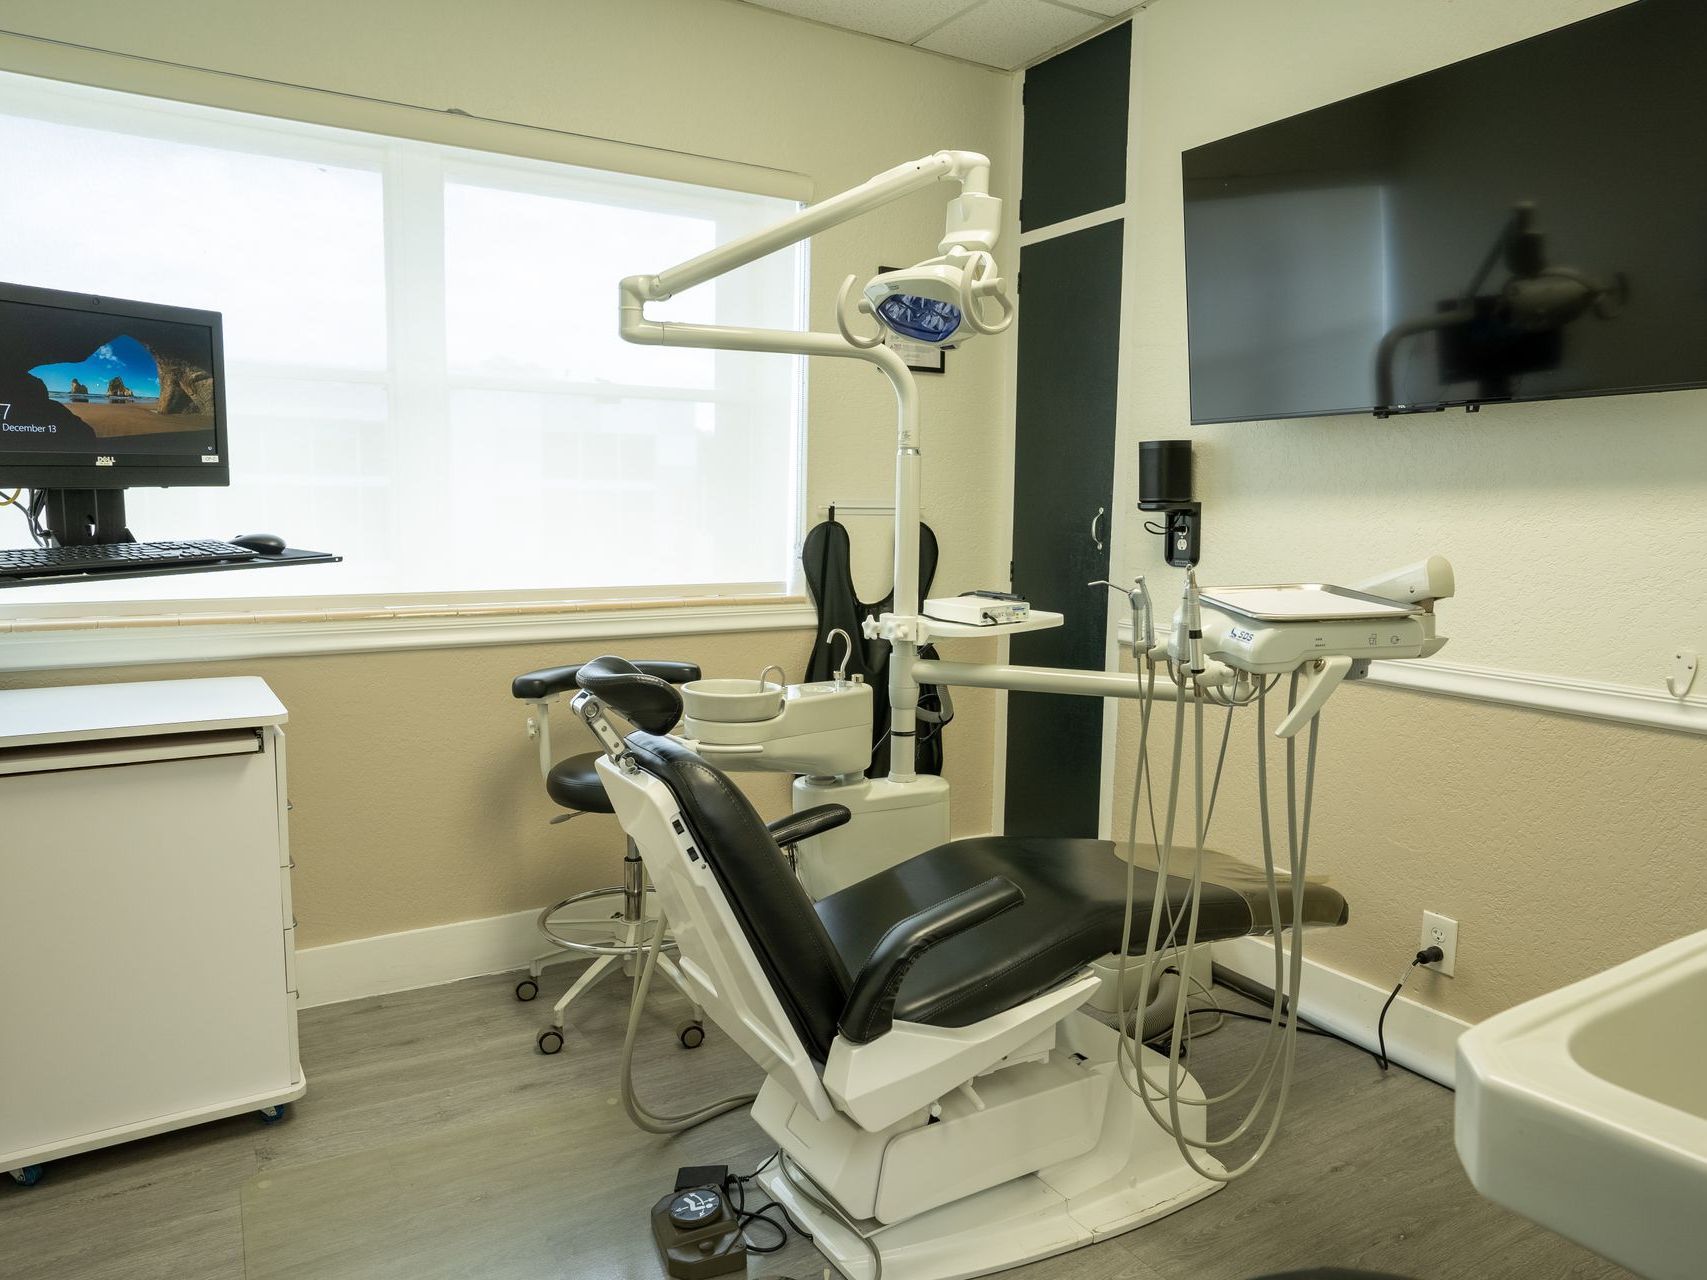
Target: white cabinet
x,y
146,968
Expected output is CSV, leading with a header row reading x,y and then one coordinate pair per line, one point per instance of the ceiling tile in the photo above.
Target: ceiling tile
x,y
1107,8
1008,33
903,20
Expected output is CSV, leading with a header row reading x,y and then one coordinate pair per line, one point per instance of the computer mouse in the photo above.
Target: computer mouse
x,y
266,544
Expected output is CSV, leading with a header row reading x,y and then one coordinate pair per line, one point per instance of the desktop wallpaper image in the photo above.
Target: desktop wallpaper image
x,y
76,381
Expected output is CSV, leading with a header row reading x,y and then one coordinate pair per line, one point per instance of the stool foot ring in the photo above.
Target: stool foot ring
x,y
642,938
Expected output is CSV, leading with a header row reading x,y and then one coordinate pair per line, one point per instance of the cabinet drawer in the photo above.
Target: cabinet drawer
x,y
107,753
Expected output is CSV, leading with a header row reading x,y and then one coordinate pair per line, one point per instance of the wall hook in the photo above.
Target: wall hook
x,y
1683,670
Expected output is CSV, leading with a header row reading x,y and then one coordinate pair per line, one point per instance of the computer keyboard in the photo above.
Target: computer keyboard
x,y
115,557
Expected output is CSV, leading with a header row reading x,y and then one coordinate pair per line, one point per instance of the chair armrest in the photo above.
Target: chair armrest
x,y
808,823
544,683
547,681
870,1010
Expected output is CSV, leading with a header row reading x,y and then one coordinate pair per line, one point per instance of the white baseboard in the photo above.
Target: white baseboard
x,y
1420,1039
416,958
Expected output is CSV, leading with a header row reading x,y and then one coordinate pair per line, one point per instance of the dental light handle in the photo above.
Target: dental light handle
x,y
864,341
980,281
1318,680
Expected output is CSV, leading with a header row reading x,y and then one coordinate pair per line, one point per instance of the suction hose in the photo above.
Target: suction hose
x,y
1279,1047
637,1111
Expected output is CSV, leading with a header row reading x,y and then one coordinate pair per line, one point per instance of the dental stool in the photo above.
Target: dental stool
x,y
623,931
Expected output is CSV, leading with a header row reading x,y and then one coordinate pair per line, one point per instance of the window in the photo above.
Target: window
x,y
422,366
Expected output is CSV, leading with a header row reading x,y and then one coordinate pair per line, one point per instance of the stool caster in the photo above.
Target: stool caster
x,y
691,1034
272,1115
550,1041
527,989
28,1176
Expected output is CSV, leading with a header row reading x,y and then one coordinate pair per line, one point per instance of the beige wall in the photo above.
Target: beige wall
x,y
417,793
1561,845
417,798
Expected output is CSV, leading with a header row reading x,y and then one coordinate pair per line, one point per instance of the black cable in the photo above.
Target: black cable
x,y
748,1218
1305,1027
1428,955
1262,995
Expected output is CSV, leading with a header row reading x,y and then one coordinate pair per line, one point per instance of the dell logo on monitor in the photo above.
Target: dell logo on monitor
x,y
104,460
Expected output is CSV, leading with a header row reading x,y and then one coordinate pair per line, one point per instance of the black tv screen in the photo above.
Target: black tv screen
x,y
1529,224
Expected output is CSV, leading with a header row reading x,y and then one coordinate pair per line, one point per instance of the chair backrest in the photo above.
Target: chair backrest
x,y
775,915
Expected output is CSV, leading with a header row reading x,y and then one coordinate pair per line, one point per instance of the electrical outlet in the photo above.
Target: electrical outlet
x,y
1442,932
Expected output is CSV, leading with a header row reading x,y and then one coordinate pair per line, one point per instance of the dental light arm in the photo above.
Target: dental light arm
x,y
968,168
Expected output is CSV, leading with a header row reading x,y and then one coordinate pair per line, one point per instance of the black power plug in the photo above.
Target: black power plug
x,y
1428,955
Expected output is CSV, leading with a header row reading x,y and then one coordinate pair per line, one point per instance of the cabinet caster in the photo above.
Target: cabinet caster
x,y
527,989
28,1176
272,1115
550,1041
691,1034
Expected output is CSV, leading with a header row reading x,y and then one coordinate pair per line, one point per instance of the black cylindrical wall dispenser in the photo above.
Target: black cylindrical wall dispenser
x,y
1164,484
1164,474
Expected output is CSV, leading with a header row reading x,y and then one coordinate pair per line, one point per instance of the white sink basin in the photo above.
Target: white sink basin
x,y
732,701
1586,1110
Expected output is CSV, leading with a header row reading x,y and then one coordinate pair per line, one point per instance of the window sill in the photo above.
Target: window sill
x,y
45,644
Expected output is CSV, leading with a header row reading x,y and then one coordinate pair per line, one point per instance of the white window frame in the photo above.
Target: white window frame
x,y
41,634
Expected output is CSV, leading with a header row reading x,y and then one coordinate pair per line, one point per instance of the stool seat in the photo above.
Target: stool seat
x,y
574,783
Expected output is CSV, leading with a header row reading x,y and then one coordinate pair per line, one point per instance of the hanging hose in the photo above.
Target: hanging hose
x,y
637,1112
1279,1048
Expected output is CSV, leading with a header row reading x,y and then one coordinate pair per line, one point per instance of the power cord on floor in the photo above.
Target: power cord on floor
x,y
1264,996
1428,955
736,1186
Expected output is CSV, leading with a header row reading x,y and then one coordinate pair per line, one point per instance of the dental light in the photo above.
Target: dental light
x,y
941,300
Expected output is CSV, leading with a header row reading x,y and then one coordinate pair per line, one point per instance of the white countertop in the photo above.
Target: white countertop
x,y
79,713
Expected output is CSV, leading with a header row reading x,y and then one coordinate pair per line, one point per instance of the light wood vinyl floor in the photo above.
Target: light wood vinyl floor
x,y
434,1141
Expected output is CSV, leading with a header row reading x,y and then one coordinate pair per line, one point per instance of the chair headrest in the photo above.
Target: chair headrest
x,y
647,702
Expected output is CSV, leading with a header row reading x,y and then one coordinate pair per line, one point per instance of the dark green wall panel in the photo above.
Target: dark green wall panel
x,y
1075,130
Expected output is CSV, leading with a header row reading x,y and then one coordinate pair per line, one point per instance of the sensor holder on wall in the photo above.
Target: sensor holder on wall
x,y
1164,486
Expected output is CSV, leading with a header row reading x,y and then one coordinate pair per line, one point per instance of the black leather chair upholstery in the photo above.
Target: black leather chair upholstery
x,y
950,937
1075,899
549,680
574,783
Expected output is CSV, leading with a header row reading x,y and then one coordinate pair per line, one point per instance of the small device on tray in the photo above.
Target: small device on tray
x,y
979,609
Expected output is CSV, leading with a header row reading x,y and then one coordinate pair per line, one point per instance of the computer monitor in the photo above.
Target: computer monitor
x,y
98,395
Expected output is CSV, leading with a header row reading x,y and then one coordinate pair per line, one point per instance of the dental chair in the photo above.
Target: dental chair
x,y
940,1101
611,925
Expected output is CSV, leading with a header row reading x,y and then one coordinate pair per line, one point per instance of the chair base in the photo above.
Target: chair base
x,y
621,944
1133,1176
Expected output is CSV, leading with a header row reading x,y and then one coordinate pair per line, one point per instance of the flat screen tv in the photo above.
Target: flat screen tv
x,y
1530,224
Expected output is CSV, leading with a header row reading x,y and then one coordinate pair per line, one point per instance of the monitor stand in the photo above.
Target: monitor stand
x,y
84,517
